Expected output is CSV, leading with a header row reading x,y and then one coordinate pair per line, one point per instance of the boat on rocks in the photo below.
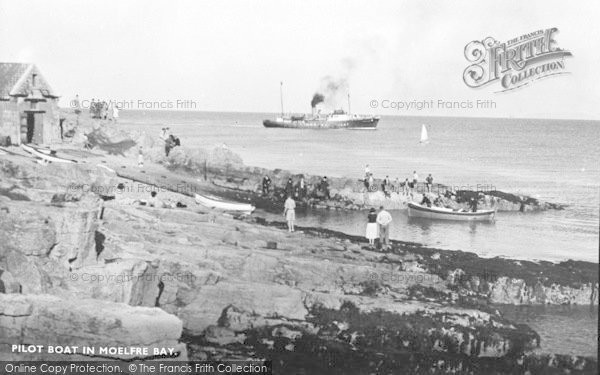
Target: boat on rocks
x,y
441,213
210,201
45,154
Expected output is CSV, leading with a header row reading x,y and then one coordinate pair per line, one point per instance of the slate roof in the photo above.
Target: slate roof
x,y
15,80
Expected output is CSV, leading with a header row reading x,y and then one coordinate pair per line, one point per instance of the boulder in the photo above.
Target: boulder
x,y
264,300
48,320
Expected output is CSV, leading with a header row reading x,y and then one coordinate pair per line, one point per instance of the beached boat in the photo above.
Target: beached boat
x,y
45,155
218,203
441,213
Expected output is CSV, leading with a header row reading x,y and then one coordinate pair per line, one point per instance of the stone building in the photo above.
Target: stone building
x,y
29,111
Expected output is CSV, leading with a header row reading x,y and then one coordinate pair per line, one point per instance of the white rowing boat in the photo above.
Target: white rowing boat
x,y
214,202
45,156
441,213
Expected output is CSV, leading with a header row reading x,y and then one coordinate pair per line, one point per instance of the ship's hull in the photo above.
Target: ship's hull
x,y
416,210
359,123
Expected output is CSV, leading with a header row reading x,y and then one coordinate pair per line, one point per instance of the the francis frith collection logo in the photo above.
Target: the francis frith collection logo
x,y
515,63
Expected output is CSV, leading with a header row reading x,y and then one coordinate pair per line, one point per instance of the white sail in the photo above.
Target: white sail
x,y
424,136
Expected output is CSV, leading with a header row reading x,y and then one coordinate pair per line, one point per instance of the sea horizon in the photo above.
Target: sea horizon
x,y
67,108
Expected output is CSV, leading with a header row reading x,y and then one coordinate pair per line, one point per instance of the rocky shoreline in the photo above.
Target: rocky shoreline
x,y
208,286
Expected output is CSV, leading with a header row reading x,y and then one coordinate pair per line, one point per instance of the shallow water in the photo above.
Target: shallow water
x,y
562,329
549,159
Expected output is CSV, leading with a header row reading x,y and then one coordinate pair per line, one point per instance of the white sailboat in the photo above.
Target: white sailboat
x,y
424,136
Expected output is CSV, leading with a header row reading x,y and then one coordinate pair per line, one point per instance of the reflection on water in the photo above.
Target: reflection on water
x,y
511,235
562,329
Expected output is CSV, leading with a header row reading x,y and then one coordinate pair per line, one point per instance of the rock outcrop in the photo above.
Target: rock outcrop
x,y
50,321
78,269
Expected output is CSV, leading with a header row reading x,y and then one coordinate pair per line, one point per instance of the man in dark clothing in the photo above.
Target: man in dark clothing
x,y
473,205
425,201
289,188
301,188
325,187
266,184
429,181
169,144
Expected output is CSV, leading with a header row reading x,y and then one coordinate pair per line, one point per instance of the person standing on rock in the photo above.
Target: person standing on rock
x,y
289,187
266,184
115,113
371,232
405,187
429,181
301,188
384,220
141,157
325,187
415,179
289,211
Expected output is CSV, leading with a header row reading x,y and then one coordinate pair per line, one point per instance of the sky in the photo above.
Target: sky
x,y
232,55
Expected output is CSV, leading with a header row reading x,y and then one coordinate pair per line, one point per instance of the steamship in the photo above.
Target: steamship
x,y
338,119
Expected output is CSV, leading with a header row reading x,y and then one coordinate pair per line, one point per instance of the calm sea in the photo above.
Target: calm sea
x,y
553,160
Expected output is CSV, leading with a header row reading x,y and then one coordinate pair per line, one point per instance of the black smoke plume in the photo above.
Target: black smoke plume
x,y
317,98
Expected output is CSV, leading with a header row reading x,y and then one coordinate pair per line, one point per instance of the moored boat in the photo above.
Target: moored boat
x,y
214,202
45,155
441,213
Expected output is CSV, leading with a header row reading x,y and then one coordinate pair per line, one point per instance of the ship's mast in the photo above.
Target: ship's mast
x,y
281,96
349,103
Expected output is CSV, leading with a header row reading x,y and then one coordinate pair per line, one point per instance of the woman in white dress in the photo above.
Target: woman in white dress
x,y
289,211
372,232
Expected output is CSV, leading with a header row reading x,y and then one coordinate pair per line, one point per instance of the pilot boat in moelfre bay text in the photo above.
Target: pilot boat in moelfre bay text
x,y
336,120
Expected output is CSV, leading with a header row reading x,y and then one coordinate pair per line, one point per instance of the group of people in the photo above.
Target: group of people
x,y
387,187
170,140
103,110
378,226
152,201
300,189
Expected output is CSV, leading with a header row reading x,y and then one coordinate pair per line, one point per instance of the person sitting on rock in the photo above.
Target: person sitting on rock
x,y
155,202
